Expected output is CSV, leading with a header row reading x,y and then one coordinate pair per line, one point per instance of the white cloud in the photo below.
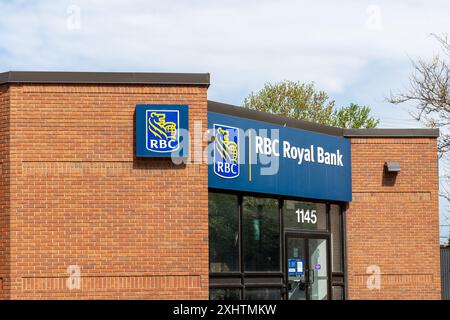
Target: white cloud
x,y
356,50
242,43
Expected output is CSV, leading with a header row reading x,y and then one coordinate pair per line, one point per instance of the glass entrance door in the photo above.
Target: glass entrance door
x,y
307,268
318,269
297,283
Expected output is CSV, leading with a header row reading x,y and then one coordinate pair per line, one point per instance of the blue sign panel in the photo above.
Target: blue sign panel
x,y
295,267
161,131
255,156
226,155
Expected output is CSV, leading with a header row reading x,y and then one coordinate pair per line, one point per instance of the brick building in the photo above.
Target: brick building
x,y
90,211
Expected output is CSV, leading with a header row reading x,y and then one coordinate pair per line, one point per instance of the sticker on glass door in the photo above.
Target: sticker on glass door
x,y
296,267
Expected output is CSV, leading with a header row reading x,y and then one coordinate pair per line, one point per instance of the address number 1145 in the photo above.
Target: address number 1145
x,y
306,216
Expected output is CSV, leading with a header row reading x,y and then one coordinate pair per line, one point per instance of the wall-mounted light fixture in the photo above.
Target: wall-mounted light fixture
x,y
391,170
392,166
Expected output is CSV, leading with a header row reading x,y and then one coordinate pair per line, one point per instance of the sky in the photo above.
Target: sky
x,y
357,51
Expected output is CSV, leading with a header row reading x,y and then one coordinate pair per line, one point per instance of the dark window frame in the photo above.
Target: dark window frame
x,y
261,279
327,218
239,235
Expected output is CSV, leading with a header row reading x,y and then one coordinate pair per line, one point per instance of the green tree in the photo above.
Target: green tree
x,y
354,116
302,101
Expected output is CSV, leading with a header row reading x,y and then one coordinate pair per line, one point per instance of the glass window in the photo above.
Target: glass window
x,y
336,238
318,269
262,294
304,215
338,293
225,294
261,234
223,232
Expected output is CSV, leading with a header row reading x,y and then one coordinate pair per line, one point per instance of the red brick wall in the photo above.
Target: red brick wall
x,y
4,191
72,193
394,224
136,228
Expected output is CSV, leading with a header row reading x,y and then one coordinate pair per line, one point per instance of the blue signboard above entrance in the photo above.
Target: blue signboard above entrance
x,y
255,156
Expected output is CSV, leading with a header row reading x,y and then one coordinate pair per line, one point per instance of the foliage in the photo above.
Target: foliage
x,y
302,101
354,116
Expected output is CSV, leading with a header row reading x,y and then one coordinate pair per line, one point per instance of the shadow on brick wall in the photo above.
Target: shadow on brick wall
x,y
389,178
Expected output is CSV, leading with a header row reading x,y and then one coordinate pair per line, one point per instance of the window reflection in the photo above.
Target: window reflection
x,y
338,293
223,232
304,215
336,238
224,294
261,234
261,246
262,294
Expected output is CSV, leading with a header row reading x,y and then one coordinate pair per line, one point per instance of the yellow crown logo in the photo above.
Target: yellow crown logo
x,y
160,128
226,148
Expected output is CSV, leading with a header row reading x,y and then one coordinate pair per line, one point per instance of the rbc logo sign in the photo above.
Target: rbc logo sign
x,y
162,130
226,151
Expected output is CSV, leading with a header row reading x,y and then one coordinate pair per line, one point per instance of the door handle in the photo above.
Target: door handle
x,y
311,279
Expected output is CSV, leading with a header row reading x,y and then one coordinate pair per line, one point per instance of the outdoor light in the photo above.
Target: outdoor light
x,y
392,166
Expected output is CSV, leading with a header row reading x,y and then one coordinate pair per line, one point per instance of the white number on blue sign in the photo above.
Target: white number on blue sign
x,y
308,216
